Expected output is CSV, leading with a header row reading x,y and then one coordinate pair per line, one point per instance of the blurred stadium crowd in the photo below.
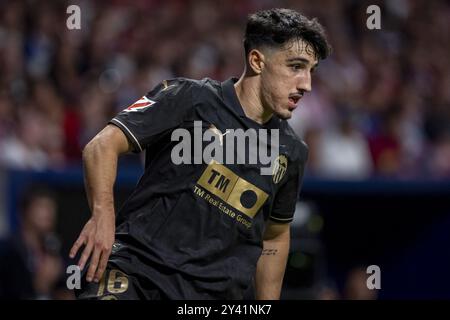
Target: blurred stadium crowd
x,y
380,104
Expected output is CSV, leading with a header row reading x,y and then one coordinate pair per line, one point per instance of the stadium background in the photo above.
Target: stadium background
x,y
377,123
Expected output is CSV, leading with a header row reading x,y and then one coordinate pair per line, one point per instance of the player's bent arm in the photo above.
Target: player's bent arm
x,y
100,158
100,166
272,263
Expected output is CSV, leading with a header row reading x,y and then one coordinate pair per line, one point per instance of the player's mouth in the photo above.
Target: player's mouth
x,y
293,100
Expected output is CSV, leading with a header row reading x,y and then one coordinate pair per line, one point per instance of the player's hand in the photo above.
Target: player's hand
x,y
97,237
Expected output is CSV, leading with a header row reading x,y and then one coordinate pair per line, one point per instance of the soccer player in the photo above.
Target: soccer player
x,y
203,229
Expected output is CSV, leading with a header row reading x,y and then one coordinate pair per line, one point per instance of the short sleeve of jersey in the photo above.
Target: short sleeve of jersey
x,y
286,198
161,109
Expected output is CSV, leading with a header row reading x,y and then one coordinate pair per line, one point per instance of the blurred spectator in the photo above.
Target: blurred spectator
x,y
328,291
356,286
385,146
24,148
31,266
439,158
343,153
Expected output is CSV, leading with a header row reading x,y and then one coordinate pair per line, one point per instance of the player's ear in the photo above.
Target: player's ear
x,y
256,61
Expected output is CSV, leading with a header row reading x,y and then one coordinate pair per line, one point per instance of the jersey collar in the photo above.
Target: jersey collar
x,y
230,97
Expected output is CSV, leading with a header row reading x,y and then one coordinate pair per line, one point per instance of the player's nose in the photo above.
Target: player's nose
x,y
304,83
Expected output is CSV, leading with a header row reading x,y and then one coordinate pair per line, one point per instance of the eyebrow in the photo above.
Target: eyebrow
x,y
302,60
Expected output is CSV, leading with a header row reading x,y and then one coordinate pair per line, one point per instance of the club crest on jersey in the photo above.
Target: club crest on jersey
x,y
279,168
141,104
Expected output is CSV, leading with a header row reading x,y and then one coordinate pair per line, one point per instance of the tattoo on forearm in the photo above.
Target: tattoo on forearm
x,y
269,252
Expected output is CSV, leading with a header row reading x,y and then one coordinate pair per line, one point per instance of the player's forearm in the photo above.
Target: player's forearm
x,y
100,169
271,267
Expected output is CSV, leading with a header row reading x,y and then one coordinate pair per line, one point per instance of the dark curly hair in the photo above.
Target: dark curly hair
x,y
274,28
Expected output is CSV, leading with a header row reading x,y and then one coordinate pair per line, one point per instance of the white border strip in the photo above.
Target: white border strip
x,y
131,134
281,219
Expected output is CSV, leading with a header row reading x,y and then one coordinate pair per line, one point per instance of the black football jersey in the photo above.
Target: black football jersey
x,y
195,229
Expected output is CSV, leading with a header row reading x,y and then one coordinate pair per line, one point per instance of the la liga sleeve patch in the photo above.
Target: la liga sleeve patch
x,y
141,104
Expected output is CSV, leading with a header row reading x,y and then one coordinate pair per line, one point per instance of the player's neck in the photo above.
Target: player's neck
x,y
247,91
